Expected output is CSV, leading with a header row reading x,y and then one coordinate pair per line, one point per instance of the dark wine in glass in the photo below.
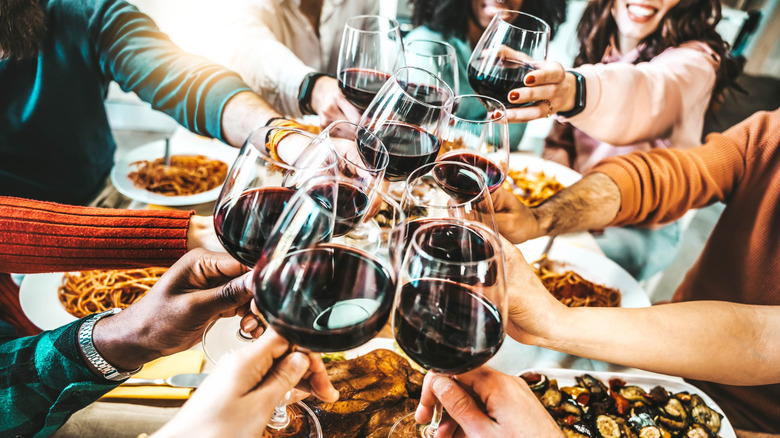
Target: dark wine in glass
x,y
434,321
352,203
499,80
409,147
462,184
360,85
330,310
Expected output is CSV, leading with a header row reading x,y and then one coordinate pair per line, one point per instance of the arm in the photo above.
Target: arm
x,y
559,144
679,339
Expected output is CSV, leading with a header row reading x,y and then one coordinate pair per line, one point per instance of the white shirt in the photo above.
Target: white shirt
x,y
273,46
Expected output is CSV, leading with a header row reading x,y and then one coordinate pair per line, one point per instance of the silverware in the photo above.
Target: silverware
x,y
191,380
167,151
543,261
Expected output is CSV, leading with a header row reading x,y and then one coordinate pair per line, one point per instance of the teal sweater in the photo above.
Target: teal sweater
x,y
55,140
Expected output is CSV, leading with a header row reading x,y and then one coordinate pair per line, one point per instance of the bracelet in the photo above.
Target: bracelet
x,y
275,136
93,356
579,96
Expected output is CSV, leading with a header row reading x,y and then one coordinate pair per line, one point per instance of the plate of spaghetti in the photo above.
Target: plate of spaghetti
x,y
579,277
195,175
533,179
55,299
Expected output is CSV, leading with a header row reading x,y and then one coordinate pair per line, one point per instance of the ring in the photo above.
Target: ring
x,y
549,108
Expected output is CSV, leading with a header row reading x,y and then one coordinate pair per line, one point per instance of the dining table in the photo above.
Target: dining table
x,y
130,417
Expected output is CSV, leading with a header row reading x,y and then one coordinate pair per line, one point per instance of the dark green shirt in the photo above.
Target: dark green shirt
x,y
55,140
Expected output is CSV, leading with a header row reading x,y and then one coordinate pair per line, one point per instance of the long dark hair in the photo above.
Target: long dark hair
x,y
450,17
688,20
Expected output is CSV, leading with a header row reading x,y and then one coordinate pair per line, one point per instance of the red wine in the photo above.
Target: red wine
x,y
464,183
445,326
243,225
360,85
408,146
499,79
326,298
351,205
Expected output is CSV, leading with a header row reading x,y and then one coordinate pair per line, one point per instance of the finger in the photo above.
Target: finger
x,y
319,382
461,407
351,113
533,94
226,299
251,324
282,377
548,72
210,269
246,367
528,113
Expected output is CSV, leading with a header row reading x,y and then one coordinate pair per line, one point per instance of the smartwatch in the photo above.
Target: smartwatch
x,y
93,356
579,96
304,93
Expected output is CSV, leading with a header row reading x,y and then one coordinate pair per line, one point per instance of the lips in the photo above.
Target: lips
x,y
640,12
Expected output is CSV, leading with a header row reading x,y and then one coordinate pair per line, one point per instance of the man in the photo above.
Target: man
x,y
730,346
46,378
57,58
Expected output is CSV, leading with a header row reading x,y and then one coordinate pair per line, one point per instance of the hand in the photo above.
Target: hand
x,y
514,220
485,403
200,234
171,317
330,104
548,83
238,398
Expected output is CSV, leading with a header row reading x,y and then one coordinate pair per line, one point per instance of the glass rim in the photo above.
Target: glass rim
x,y
429,167
445,105
545,27
280,163
448,47
362,166
478,227
481,97
394,26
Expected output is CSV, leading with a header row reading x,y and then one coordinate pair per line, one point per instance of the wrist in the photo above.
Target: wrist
x,y
575,100
197,230
119,346
306,92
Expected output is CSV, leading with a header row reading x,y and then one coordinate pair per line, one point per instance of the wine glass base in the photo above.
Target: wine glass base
x,y
302,424
407,427
221,337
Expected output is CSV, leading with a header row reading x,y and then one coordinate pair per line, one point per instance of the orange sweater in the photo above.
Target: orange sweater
x,y
741,260
40,236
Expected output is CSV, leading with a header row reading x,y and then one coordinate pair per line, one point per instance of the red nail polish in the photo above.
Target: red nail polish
x,y
514,95
530,80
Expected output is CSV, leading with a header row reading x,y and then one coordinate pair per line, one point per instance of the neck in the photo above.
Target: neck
x,y
627,44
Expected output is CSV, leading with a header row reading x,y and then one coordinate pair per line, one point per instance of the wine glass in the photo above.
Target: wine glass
x,y
505,54
478,134
438,57
408,114
450,304
327,295
371,50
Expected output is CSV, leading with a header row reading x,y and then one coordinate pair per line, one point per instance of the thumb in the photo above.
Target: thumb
x,y
282,378
461,407
228,297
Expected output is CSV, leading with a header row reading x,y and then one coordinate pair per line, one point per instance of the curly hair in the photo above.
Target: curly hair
x,y
22,27
689,20
448,18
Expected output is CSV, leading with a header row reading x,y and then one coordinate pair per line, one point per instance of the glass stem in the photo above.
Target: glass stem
x,y
433,426
280,419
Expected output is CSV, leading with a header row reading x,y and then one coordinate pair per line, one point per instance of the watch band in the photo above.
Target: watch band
x,y
579,96
304,93
92,355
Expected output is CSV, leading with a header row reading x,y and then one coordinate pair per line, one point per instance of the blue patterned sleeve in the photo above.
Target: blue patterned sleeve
x,y
43,381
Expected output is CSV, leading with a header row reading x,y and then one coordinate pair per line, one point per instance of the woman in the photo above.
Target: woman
x,y
444,20
648,72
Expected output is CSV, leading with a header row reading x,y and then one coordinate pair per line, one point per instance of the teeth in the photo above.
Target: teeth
x,y
641,11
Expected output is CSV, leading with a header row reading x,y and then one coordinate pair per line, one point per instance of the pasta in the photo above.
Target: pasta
x,y
532,189
88,292
573,290
186,175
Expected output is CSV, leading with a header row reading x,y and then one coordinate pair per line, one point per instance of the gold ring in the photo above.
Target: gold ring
x,y
549,108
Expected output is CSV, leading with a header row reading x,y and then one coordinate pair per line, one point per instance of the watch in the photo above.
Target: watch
x,y
304,93
579,96
92,355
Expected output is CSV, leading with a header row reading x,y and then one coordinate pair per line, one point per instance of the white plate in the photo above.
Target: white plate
x,y
591,266
646,382
534,164
38,297
179,146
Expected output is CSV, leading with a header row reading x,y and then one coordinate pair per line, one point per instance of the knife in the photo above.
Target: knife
x,y
190,380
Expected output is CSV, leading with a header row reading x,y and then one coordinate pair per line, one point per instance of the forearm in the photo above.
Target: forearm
x,y
243,113
591,203
704,340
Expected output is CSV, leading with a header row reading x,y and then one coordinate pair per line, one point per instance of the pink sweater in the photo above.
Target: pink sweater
x,y
655,104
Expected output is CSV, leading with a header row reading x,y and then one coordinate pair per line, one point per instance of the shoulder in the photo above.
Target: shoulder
x,y
694,51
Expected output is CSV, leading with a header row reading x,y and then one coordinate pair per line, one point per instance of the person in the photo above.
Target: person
x,y
445,21
645,77
37,236
287,50
731,294
57,58
49,376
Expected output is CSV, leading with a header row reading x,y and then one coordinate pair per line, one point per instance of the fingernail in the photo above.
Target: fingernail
x,y
441,385
514,95
530,80
251,325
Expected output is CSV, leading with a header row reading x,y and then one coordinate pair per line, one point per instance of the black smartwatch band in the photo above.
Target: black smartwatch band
x,y
579,96
304,93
